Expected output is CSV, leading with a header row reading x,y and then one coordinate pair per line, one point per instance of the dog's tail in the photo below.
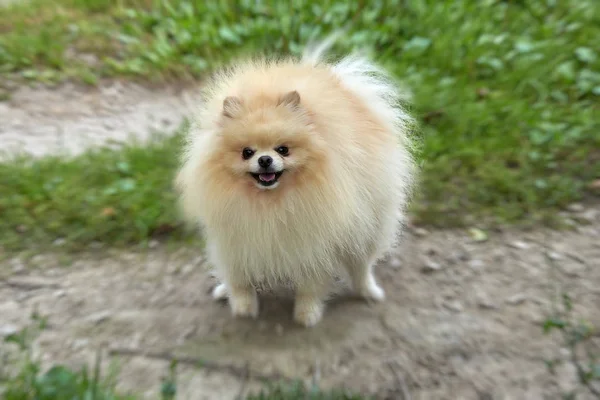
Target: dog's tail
x,y
367,80
314,52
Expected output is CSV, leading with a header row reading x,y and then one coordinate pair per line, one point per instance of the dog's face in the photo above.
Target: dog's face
x,y
268,144
266,165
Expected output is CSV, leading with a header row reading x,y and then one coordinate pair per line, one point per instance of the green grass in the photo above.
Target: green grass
x,y
22,377
59,382
507,93
106,196
299,391
579,337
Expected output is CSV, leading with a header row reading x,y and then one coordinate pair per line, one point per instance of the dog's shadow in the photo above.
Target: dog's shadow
x,y
275,328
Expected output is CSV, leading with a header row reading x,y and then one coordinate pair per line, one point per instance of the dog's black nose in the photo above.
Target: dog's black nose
x,y
265,161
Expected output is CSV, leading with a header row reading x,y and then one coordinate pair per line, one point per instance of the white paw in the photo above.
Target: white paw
x,y
219,292
244,304
372,291
308,312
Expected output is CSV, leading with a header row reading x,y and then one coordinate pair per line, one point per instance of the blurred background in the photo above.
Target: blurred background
x,y
494,293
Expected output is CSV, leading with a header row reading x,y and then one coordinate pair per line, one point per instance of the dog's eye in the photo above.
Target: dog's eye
x,y
247,153
283,150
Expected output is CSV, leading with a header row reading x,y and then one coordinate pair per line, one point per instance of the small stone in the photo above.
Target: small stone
x,y
173,269
31,283
588,216
486,304
449,295
17,265
476,264
457,256
53,272
96,245
431,251
109,125
38,260
279,330
89,59
7,330
483,301
79,343
187,269
453,306
516,299
420,232
60,293
153,244
136,341
59,242
395,262
575,207
573,269
575,257
594,185
98,317
22,296
519,244
567,377
555,256
463,256
540,301
430,266
535,316
570,222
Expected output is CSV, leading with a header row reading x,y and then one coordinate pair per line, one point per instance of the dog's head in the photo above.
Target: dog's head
x,y
267,143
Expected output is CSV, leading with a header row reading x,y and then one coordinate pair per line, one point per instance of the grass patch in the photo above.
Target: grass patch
x,y
299,391
580,339
59,382
508,95
117,197
22,377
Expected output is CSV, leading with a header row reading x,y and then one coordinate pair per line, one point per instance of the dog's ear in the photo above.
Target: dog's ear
x,y
290,99
231,106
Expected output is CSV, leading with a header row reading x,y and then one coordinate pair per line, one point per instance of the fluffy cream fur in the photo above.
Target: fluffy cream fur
x,y
338,205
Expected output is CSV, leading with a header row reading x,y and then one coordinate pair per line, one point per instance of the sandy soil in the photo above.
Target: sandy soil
x,y
462,319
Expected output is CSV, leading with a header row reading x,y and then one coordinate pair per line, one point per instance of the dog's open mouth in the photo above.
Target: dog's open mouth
x,y
267,178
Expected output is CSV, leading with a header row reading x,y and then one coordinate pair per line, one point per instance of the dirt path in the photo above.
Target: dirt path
x,y
462,319
470,329
71,118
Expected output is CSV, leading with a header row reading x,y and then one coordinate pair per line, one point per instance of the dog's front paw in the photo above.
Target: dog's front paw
x,y
219,292
244,304
308,311
372,291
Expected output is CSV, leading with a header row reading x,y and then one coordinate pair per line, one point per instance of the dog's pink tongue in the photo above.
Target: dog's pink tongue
x,y
266,177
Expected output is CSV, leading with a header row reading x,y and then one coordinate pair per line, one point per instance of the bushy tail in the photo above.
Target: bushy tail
x,y
380,92
314,52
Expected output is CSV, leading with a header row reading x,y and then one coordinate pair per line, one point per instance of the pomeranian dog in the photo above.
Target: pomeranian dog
x,y
298,170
